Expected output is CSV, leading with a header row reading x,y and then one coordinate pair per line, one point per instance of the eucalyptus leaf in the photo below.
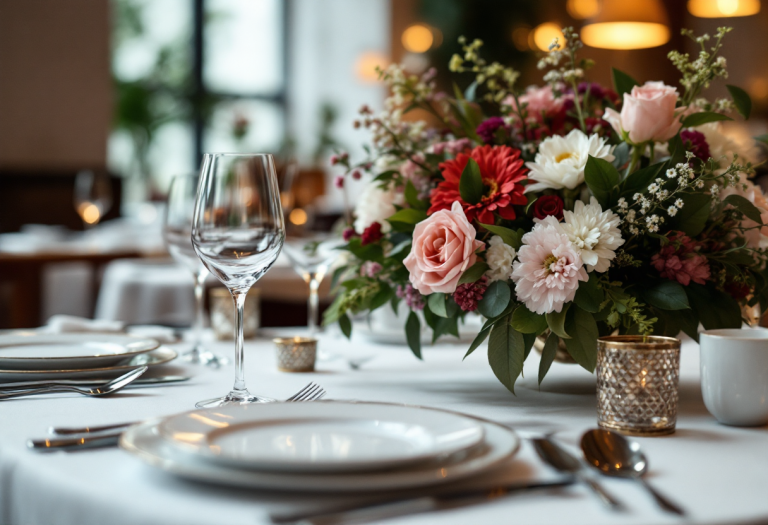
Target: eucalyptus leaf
x,y
556,321
471,183
548,355
741,100
413,334
506,353
495,299
527,322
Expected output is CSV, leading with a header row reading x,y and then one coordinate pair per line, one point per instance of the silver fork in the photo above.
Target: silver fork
x,y
108,435
96,391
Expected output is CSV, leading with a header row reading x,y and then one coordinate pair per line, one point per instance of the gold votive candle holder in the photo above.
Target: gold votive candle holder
x,y
223,314
296,354
637,384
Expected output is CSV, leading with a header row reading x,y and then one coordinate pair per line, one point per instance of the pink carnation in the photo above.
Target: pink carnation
x,y
443,249
549,269
678,261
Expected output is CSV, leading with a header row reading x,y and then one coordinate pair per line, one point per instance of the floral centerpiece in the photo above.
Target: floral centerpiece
x,y
566,211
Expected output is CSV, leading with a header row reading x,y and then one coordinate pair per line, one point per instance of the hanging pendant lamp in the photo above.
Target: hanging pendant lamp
x,y
627,24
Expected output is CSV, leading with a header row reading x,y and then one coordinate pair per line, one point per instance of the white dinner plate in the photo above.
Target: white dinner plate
x,y
144,441
325,436
154,357
33,351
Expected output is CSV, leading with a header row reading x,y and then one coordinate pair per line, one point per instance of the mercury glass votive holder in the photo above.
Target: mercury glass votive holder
x,y
223,314
637,380
296,354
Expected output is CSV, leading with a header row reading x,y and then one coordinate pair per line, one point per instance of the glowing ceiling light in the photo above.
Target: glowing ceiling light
x,y
723,8
627,24
418,38
545,34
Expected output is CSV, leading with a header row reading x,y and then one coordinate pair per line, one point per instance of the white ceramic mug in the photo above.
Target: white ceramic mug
x,y
734,375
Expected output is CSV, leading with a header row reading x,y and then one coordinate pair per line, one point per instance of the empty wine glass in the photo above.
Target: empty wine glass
x,y
177,232
311,256
92,196
238,232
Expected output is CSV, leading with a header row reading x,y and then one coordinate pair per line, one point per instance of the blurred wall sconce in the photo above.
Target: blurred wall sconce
x,y
520,35
544,34
723,8
298,217
582,9
366,65
420,38
627,24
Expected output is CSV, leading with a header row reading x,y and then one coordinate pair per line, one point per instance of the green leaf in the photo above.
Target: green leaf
x,y
495,299
548,355
745,207
715,309
697,119
412,197
442,305
469,93
346,325
601,178
692,218
471,183
383,296
741,100
638,181
445,326
622,82
620,155
506,353
762,138
408,216
676,150
527,322
689,323
667,295
413,334
369,252
589,295
583,345
556,321
474,273
478,340
509,237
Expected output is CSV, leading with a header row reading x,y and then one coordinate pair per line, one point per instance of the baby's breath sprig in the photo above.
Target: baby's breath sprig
x,y
499,80
699,73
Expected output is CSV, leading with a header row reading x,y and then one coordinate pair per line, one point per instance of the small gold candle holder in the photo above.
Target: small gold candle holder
x,y
223,314
637,381
296,354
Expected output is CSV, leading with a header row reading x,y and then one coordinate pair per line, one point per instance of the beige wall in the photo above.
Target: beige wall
x,y
55,87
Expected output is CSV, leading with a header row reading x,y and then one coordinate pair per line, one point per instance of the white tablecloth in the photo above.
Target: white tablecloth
x,y
719,474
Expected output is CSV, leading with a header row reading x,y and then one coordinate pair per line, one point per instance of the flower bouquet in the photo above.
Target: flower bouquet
x,y
563,212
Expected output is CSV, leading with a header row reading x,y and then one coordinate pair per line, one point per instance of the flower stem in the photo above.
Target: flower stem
x,y
637,153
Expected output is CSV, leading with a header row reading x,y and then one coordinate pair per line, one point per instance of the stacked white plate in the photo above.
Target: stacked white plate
x,y
323,446
28,355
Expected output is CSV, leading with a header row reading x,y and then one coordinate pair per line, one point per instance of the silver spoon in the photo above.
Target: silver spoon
x,y
615,455
96,391
563,461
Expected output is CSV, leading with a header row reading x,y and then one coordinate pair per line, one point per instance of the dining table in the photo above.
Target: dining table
x,y
718,474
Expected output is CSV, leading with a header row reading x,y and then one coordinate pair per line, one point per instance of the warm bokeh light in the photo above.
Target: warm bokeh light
x,y
581,9
298,217
367,63
545,34
418,38
723,8
89,213
758,89
520,38
625,35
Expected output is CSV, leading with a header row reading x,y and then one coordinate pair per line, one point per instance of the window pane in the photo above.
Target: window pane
x,y
263,122
243,46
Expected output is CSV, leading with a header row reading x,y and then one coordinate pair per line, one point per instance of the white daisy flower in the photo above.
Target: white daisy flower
x,y
560,161
595,234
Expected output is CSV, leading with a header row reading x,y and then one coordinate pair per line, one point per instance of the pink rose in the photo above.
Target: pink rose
x,y
443,249
649,113
540,101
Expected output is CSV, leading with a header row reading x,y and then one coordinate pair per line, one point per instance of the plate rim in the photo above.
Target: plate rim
x,y
327,467
172,354
149,344
173,467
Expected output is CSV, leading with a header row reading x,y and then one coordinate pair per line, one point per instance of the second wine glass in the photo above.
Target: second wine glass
x,y
238,233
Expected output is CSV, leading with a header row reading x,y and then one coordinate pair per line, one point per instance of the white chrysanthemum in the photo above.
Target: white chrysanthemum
x,y
560,161
375,205
499,257
724,142
595,234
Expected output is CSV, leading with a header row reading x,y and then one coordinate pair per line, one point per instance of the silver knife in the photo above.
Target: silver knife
x,y
22,385
106,439
378,509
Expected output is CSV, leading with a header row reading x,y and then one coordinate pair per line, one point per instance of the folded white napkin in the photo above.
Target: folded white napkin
x,y
61,324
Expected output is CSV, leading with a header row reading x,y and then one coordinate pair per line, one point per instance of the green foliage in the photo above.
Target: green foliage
x,y
369,252
510,237
471,183
583,345
406,219
495,299
442,305
665,294
481,337
741,100
527,322
346,325
622,82
548,355
412,197
602,179
506,353
638,181
715,309
474,273
589,295
693,217
744,206
697,119
556,321
413,334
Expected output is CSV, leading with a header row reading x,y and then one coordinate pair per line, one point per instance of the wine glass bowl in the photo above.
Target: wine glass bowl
x,y
238,232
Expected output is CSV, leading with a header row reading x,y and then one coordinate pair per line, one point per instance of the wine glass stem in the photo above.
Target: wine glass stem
x,y
197,329
239,388
313,305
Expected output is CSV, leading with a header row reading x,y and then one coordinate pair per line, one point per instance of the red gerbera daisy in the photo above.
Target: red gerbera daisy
x,y
501,169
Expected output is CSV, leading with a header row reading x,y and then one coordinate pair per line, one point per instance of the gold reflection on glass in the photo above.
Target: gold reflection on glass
x,y
188,437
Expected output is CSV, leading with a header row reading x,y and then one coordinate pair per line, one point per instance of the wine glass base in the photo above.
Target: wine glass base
x,y
229,399
193,356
